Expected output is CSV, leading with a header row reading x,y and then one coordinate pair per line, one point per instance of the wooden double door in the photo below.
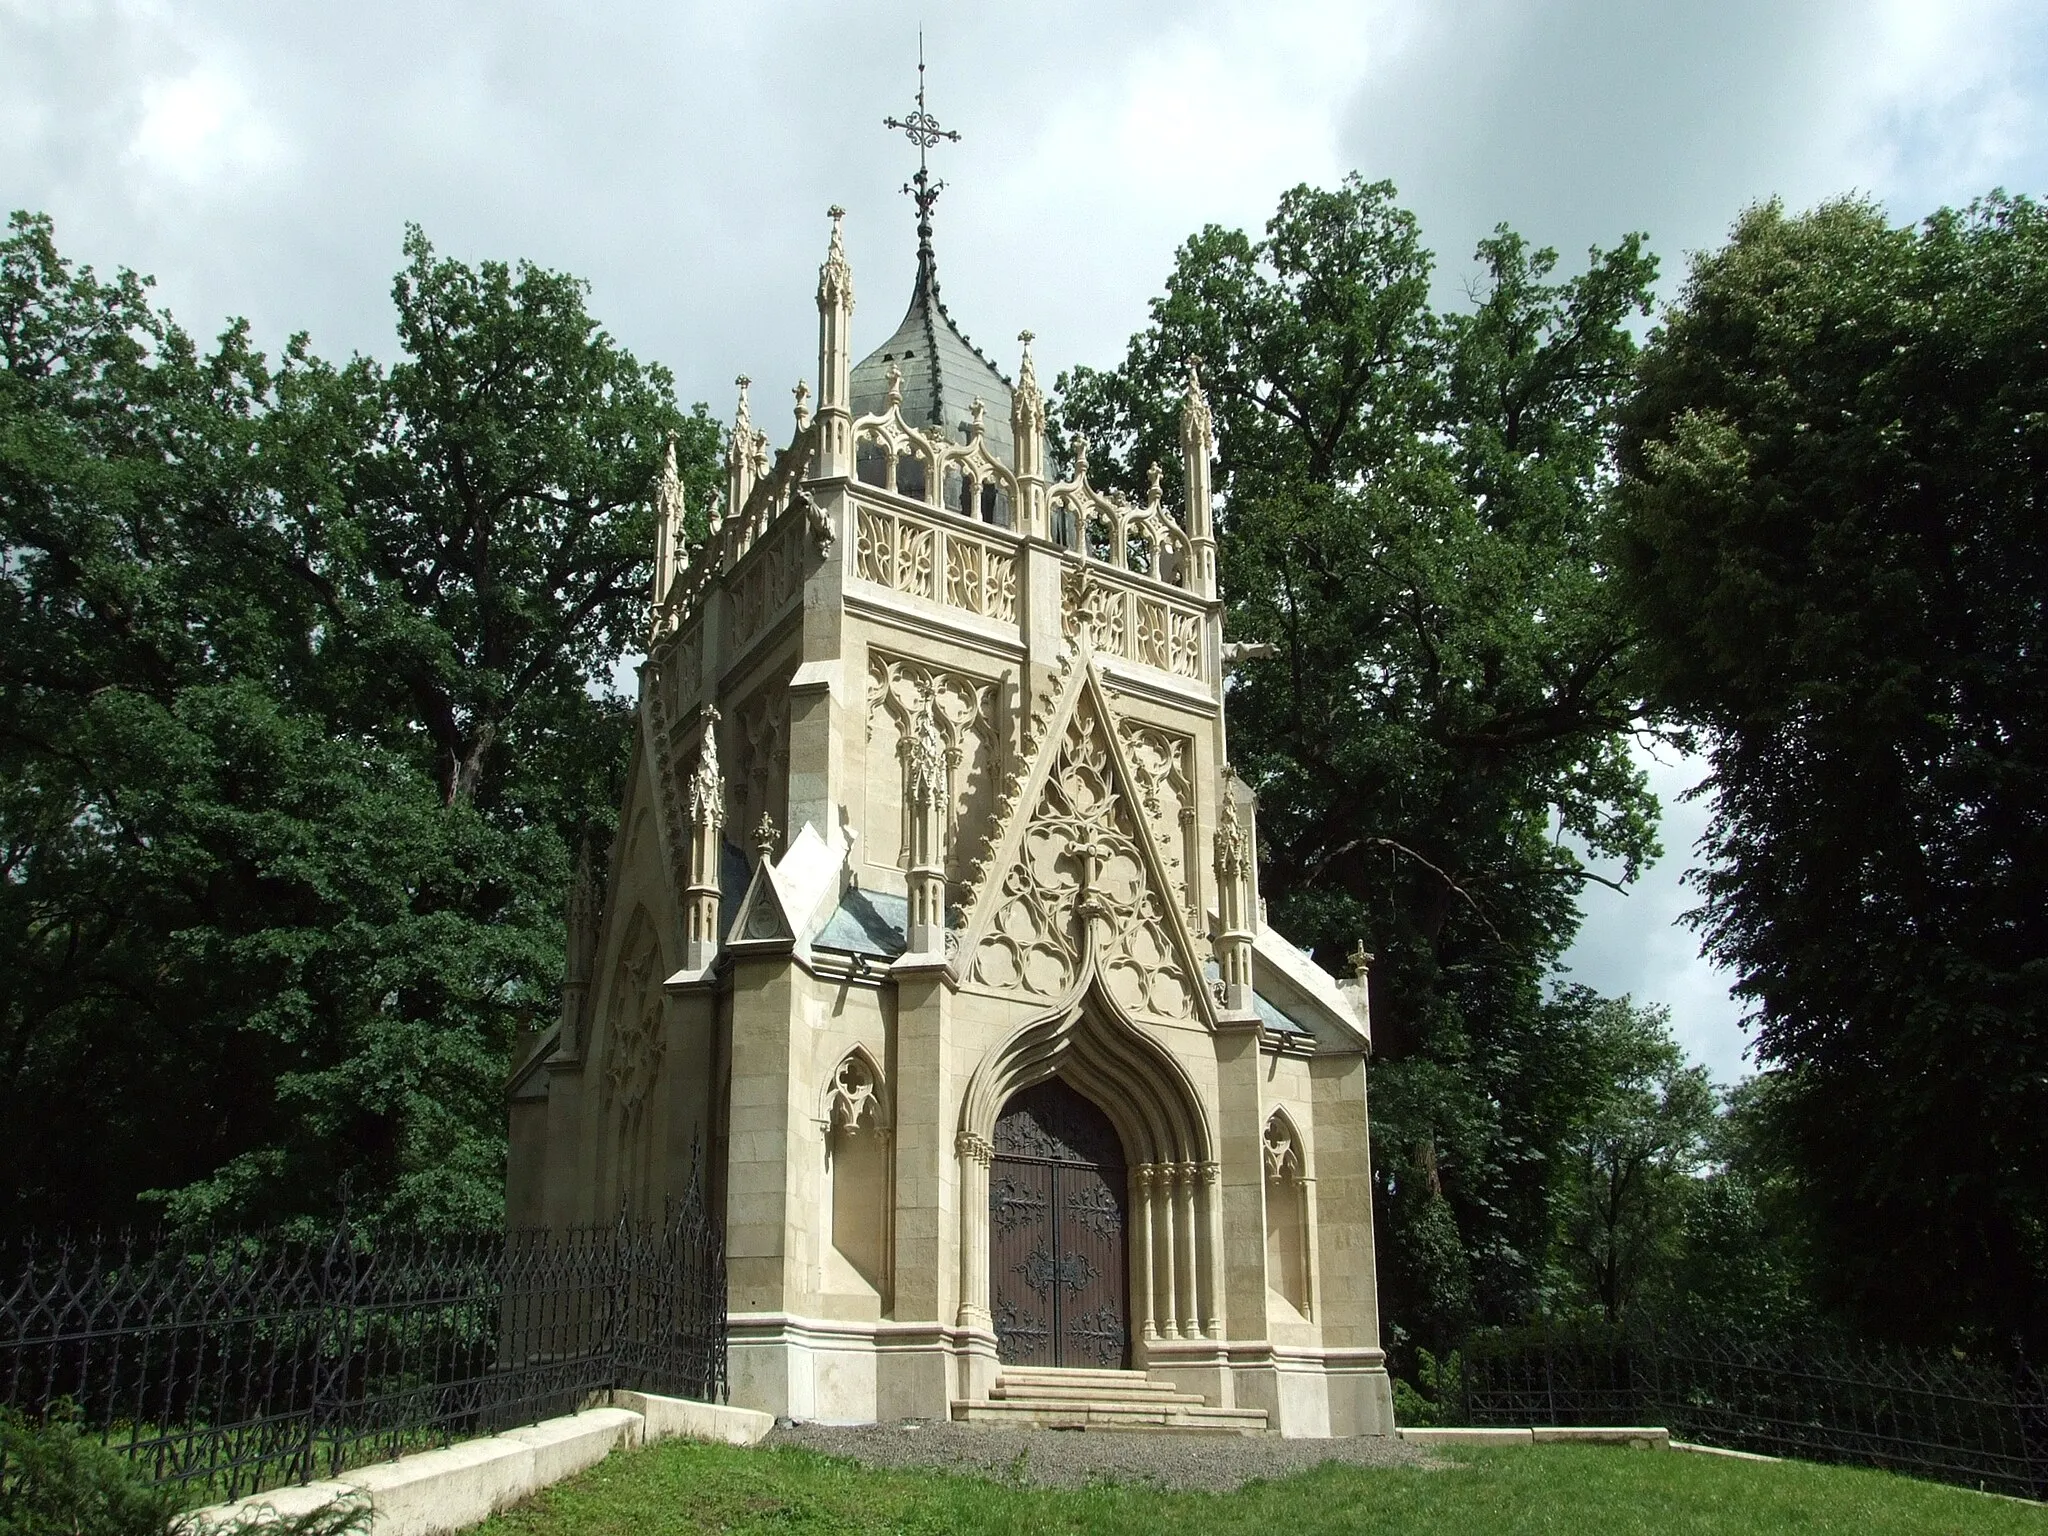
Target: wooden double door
x,y
1058,1233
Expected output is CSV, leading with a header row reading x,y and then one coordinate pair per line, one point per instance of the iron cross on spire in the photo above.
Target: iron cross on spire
x,y
923,130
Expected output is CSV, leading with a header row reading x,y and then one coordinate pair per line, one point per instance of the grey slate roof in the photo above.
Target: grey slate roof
x,y
943,372
866,923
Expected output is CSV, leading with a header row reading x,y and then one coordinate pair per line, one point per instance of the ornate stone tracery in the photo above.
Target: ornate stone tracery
x,y
1162,761
760,733
1079,861
908,700
634,1038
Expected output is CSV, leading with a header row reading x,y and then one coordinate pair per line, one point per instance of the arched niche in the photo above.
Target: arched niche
x,y
1288,1249
857,1179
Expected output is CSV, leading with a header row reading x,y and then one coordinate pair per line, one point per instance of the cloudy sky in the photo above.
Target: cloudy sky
x,y
261,159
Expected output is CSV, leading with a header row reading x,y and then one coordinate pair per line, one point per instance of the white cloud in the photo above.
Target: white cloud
x,y
201,130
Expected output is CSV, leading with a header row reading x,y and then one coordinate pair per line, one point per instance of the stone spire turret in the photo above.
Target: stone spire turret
x,y
927,834
583,914
835,358
1234,853
742,454
706,808
1027,432
669,551
1197,444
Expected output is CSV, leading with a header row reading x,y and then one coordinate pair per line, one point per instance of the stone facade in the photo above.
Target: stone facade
x,y
930,805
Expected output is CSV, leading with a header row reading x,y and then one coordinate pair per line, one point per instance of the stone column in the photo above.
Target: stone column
x,y
1141,1251
1184,1250
707,837
975,1155
1209,1261
835,324
1162,1252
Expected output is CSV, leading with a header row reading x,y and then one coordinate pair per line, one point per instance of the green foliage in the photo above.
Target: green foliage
x,y
1832,544
55,1480
1627,1165
304,698
1412,504
1745,1262
1437,1394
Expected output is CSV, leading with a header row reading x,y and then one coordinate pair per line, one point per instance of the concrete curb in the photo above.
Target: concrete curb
x,y
433,1492
1637,1436
1721,1450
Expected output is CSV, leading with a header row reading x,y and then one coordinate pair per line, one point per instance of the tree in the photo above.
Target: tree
x,y
1833,479
1627,1165
1745,1262
499,512
262,927
1411,503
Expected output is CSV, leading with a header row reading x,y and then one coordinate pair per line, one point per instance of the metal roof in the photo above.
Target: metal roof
x,y
943,372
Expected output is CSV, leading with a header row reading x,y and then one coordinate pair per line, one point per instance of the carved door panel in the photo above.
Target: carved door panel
x,y
1058,1277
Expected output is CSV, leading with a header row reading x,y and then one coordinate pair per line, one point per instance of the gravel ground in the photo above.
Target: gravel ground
x,y
1056,1458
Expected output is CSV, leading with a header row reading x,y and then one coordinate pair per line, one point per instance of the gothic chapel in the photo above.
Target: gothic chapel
x,y
933,916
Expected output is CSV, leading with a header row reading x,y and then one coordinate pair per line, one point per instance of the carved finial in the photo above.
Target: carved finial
x,y
1080,446
1233,847
1194,411
1360,958
895,386
1152,479
803,404
977,425
707,784
582,890
765,837
714,514
740,416
835,277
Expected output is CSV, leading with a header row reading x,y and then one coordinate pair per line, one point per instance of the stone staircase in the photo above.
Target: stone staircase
x,y
1041,1397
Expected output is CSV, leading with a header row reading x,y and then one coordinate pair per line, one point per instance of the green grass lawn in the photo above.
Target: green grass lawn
x,y
1575,1490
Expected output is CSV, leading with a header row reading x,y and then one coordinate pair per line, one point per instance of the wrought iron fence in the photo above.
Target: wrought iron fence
x,y
256,1362
1923,1413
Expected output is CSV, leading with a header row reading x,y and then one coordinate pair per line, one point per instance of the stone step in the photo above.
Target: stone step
x,y
1104,1415
1076,1375
1079,1381
1158,1392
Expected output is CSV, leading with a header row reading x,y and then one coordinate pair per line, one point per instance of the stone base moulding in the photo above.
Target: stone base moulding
x,y
432,1492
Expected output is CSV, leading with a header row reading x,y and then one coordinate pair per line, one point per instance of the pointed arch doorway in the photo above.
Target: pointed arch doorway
x,y
1059,1260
